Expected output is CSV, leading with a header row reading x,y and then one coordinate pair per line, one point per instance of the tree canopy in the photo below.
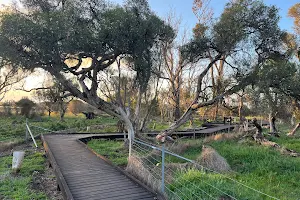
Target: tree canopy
x,y
75,41
57,37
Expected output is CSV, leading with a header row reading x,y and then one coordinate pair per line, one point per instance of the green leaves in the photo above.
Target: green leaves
x,y
50,32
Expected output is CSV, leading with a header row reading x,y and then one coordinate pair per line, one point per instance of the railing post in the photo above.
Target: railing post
x,y
26,136
130,144
32,137
163,168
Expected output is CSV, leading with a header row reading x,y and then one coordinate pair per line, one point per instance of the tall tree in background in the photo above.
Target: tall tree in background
x,y
9,76
248,24
173,63
204,14
54,98
294,12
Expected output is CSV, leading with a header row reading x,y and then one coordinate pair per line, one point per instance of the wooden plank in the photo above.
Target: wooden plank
x,y
89,177
118,195
98,185
114,190
60,179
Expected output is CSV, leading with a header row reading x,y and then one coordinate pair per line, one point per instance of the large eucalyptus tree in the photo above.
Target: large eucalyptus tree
x,y
60,35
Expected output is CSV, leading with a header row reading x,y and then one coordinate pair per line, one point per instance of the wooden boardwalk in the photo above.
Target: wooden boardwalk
x,y
200,132
83,175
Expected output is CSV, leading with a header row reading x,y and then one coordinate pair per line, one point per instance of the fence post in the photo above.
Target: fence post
x,y
31,135
163,168
26,123
130,144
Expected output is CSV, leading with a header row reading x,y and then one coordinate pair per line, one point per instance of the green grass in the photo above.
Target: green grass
x,y
285,141
12,128
19,186
262,168
259,167
160,126
113,150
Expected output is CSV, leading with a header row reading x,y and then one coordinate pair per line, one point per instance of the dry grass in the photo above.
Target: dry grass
x,y
211,159
180,147
221,137
137,168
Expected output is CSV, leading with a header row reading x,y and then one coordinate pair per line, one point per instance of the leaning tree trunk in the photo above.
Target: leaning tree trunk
x,y
293,132
129,125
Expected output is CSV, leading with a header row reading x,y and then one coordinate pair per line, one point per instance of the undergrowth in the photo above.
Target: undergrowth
x,y
18,186
111,149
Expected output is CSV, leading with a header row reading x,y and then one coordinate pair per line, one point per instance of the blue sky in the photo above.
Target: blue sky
x,y
184,9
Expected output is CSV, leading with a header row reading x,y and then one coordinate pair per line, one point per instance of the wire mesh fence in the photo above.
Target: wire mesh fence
x,y
176,177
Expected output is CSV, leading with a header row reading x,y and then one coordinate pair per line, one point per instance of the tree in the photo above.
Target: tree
x,y
173,64
58,38
7,107
294,12
241,24
9,76
54,98
26,106
46,98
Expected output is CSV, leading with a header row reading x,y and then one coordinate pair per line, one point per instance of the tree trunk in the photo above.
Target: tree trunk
x,y
293,120
293,132
62,113
136,118
216,111
49,113
258,136
179,122
177,109
176,97
272,120
240,109
129,125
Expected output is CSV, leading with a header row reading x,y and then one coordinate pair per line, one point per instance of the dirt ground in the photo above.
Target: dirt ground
x,y
46,182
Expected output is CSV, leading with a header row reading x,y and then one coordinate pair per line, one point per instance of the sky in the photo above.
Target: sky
x,y
184,9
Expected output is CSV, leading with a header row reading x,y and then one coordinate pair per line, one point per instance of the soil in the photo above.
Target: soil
x,y
46,182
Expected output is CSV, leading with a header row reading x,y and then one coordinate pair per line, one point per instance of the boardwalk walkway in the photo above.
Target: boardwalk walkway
x,y
85,176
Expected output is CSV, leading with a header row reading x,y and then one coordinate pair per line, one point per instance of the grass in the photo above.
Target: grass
x,y
12,129
160,126
113,150
256,166
259,167
285,141
19,186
